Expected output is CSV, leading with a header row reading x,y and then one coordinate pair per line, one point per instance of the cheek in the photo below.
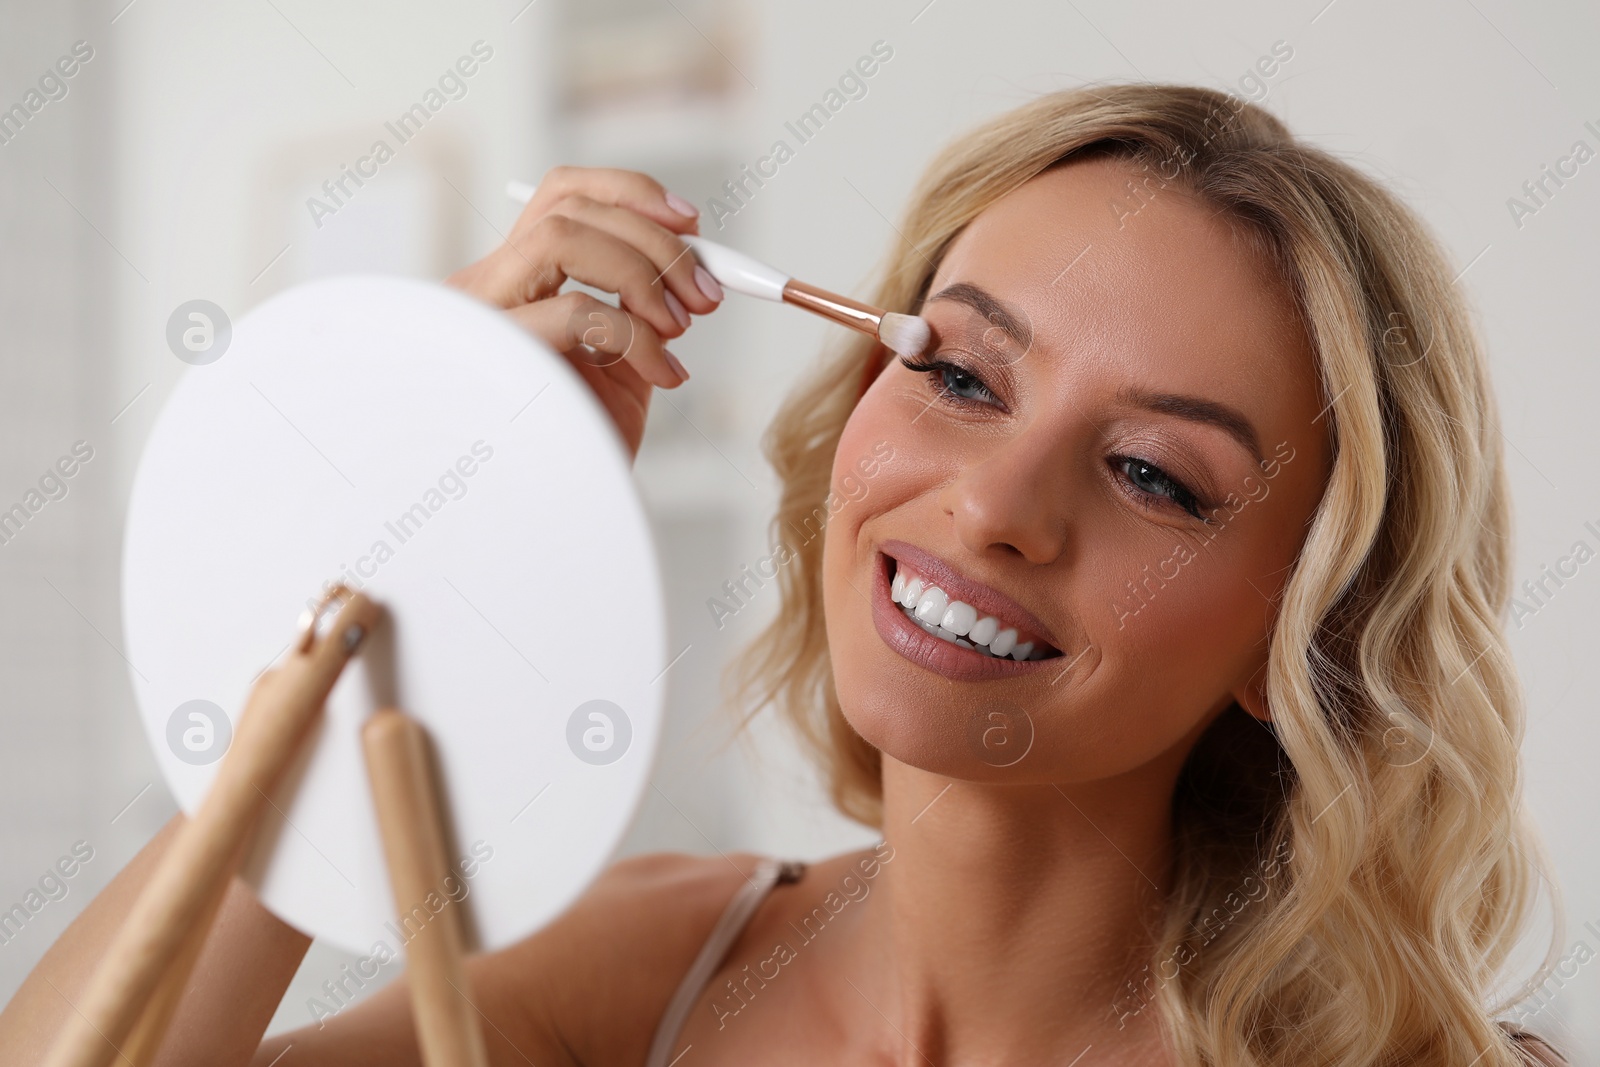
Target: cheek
x,y
876,440
1188,620
1172,624
855,491
1182,613
874,464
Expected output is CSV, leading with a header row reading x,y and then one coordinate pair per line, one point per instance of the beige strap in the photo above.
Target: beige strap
x,y
767,874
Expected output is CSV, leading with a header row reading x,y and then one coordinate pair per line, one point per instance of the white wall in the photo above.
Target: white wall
x,y
62,743
189,171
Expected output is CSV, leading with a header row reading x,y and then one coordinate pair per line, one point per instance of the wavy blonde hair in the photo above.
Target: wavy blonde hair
x,y
1389,785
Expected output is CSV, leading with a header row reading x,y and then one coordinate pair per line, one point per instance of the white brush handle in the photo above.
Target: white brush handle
x,y
732,270
737,271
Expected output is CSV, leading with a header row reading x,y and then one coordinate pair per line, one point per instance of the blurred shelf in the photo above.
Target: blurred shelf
x,y
663,132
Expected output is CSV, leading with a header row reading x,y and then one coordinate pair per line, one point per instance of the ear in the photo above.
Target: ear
x,y
1252,694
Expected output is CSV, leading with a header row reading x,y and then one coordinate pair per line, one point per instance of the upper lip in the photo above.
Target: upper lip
x,y
986,599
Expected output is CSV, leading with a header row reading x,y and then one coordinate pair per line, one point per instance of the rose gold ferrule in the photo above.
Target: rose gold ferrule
x,y
840,309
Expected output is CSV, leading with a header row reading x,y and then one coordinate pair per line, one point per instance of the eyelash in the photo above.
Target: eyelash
x,y
946,369
1179,496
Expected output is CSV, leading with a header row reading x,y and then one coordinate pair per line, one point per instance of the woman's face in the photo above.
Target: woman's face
x,y
1120,466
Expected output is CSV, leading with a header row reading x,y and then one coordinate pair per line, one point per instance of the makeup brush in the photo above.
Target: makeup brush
x,y
906,335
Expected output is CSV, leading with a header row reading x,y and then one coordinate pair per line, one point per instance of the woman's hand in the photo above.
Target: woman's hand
x,y
617,231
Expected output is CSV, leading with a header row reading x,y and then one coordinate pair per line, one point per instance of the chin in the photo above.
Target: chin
x,y
918,716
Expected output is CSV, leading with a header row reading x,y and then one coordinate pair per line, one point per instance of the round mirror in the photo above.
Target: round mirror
x,y
419,446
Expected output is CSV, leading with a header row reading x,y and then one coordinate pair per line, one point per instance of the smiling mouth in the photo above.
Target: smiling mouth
x,y
957,622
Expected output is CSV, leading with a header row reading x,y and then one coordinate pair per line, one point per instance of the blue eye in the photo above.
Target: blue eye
x,y
954,382
1153,487
1151,480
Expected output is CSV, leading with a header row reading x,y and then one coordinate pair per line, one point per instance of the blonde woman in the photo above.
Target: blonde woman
x,y
1161,635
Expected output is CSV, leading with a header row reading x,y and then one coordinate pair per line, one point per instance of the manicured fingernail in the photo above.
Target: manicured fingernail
x,y
708,285
682,206
675,306
683,372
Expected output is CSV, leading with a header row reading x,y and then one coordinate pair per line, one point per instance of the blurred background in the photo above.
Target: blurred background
x,y
177,160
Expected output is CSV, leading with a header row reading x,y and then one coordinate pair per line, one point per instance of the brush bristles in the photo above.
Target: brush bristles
x,y
905,335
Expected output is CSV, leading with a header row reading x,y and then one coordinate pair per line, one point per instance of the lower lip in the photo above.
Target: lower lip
x,y
934,653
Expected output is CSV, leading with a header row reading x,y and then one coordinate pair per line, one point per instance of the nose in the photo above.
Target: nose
x,y
1014,498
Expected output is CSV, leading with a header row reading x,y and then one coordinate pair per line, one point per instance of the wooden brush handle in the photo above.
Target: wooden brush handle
x,y
184,891
411,822
142,1044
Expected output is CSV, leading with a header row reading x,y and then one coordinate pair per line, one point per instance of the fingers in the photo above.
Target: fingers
x,y
558,247
575,320
674,263
614,230
618,188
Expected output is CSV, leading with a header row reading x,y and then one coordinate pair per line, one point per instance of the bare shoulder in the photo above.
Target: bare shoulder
x,y
594,982
789,933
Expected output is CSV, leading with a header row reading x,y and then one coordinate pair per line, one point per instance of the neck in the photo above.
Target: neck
x,y
1012,917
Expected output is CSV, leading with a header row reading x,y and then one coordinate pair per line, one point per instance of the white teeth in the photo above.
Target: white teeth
x,y
959,617
955,621
930,607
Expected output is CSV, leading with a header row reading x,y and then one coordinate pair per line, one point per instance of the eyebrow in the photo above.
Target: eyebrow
x,y
1196,409
1192,408
997,312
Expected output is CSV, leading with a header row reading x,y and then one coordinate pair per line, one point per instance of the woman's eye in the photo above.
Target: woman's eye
x,y
954,382
958,384
962,384
1152,480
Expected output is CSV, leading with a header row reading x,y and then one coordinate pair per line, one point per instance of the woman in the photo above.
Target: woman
x,y
1163,642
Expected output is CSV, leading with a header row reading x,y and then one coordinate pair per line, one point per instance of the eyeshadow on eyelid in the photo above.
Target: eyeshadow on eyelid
x,y
1000,315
